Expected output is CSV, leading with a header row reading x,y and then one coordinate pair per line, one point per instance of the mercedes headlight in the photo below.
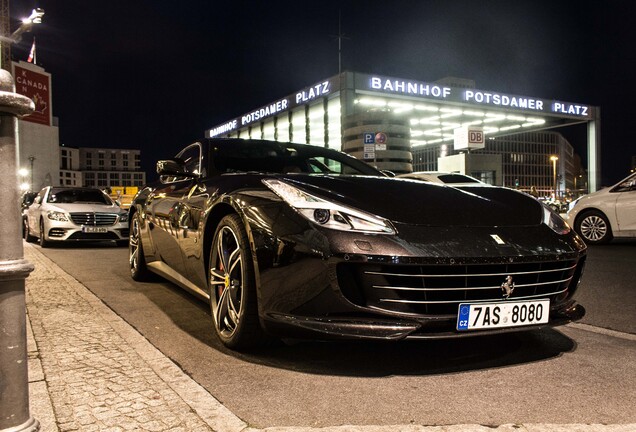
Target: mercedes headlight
x,y
326,213
57,216
554,221
123,217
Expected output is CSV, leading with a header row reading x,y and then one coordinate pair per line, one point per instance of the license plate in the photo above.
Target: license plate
x,y
92,229
476,316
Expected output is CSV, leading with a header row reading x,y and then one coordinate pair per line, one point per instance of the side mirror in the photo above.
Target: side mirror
x,y
171,167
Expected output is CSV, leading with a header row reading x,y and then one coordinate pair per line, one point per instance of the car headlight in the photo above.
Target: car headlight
x,y
326,213
554,221
57,216
123,217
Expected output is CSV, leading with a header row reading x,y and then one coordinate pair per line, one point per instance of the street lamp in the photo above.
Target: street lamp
x,y
6,41
24,185
27,24
31,159
554,160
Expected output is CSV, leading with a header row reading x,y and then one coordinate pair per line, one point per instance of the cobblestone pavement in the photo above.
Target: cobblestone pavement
x,y
91,371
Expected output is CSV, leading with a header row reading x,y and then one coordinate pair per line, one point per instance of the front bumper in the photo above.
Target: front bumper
x,y
326,284
69,231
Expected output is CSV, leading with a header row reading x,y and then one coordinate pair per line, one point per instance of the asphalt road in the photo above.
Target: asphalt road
x,y
576,374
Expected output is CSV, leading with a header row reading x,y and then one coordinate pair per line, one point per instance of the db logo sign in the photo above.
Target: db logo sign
x,y
475,137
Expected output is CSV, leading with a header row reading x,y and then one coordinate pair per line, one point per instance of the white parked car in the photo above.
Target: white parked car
x,y
451,179
75,214
605,214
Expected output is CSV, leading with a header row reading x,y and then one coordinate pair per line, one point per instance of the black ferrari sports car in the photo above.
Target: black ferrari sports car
x,y
299,241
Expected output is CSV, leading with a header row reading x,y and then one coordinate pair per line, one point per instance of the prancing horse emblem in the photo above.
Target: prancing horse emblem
x,y
508,287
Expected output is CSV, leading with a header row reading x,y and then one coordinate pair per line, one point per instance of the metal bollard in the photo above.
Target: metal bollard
x,y
14,269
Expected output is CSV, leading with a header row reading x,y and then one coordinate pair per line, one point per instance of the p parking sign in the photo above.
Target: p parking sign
x,y
369,138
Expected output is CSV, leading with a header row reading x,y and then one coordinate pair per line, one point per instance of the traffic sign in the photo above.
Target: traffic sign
x,y
369,151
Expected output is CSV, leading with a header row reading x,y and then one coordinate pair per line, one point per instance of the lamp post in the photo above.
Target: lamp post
x,y
14,269
554,160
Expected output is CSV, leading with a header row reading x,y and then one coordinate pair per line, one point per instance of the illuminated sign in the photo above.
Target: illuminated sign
x,y
36,86
472,96
224,128
568,108
469,138
409,87
301,97
264,112
503,100
313,92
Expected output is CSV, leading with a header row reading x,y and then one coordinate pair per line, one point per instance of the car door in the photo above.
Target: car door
x,y
192,211
165,210
626,205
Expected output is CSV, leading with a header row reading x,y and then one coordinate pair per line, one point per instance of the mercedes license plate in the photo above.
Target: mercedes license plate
x,y
94,229
478,316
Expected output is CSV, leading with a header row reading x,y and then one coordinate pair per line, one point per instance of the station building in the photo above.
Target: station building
x,y
404,125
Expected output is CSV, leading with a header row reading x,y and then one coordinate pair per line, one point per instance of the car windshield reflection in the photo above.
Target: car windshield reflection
x,y
68,196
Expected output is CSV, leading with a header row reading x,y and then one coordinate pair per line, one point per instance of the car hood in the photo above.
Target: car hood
x,y
84,208
415,202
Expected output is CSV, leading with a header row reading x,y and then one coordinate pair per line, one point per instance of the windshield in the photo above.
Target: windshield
x,y
271,157
67,196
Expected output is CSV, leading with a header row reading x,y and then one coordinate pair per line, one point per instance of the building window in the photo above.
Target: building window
x,y
298,129
317,124
334,126
269,130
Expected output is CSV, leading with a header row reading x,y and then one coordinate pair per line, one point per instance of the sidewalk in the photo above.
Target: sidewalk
x,y
91,371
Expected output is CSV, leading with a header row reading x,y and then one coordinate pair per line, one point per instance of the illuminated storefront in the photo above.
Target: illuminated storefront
x,y
391,122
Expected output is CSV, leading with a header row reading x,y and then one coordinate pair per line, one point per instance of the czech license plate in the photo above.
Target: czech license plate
x,y
476,316
93,229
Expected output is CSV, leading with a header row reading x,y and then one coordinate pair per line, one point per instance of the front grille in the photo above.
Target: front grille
x,y
438,289
93,236
94,219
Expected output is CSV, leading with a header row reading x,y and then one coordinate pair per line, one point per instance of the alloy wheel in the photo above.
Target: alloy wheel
x,y
594,228
226,281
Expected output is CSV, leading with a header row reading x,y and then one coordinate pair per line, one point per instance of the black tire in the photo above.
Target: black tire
x,y
233,288
594,227
26,231
138,269
43,242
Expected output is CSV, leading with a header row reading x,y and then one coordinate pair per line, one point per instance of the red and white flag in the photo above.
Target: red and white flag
x,y
31,58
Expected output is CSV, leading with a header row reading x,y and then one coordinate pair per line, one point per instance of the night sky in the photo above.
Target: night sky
x,y
155,75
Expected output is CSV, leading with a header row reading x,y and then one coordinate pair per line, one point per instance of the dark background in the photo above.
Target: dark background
x,y
155,75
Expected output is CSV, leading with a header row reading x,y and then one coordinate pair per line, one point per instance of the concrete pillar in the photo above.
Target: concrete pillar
x,y
14,382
